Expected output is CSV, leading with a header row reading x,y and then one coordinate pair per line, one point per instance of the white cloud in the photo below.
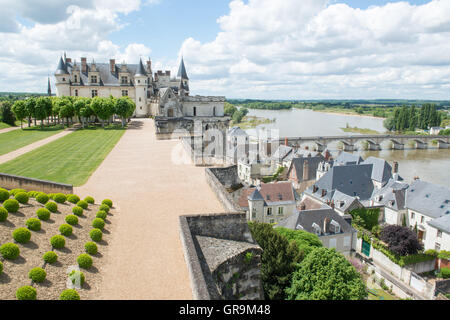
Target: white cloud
x,y
316,49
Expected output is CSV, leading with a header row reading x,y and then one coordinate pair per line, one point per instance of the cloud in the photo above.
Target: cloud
x,y
317,49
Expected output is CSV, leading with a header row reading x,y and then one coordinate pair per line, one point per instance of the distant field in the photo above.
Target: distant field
x,y
71,159
13,140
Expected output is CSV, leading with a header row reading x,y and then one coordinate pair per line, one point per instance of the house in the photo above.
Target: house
x,y
281,153
428,211
344,204
237,144
332,230
392,198
251,171
345,158
302,171
300,153
435,130
270,202
381,171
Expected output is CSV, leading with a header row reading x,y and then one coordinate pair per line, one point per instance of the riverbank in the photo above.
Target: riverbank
x,y
346,113
360,130
249,122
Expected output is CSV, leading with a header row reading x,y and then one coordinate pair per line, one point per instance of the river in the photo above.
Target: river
x,y
432,165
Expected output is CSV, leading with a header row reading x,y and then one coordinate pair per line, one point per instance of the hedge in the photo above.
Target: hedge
x,y
50,257
96,235
33,224
22,235
51,206
78,211
89,200
60,198
84,261
10,251
26,293
444,255
72,219
42,198
58,242
77,277
22,197
4,194
43,214
83,204
104,207
65,229
12,205
69,294
101,214
108,202
98,223
37,275
73,198
13,192
91,248
3,214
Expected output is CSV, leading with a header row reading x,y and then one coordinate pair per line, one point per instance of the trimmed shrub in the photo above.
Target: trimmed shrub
x,y
22,197
78,211
1,267
104,207
51,206
73,198
50,257
91,248
58,242
102,215
43,214
84,261
96,235
26,293
69,294
60,198
13,192
32,194
10,251
22,235
51,195
3,214
4,194
98,223
33,224
83,204
89,200
12,205
444,273
42,198
77,277
65,229
72,219
37,275
108,202
431,252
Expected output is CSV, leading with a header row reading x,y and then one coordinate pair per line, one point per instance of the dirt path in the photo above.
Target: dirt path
x,y
145,258
14,154
8,129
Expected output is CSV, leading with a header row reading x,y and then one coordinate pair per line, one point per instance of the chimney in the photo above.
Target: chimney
x,y
112,65
149,66
324,192
395,167
315,188
306,148
286,142
332,204
168,73
325,223
68,60
302,206
305,170
416,178
83,65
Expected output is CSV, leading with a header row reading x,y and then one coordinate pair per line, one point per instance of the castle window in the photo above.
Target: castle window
x,y
75,78
93,79
76,93
94,93
439,234
280,210
140,99
195,111
269,211
124,80
63,79
124,93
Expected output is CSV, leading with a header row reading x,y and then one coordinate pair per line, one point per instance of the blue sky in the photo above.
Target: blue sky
x,y
289,49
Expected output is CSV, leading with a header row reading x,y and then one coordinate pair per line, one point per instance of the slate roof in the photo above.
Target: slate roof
x,y
182,71
271,193
345,158
429,199
441,223
342,201
298,163
281,153
311,204
237,131
306,218
140,69
392,195
61,68
302,153
382,170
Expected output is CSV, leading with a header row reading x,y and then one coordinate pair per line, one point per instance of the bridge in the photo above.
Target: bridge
x,y
374,141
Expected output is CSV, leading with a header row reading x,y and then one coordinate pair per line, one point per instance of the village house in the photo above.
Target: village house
x,y
332,229
269,202
391,198
251,171
302,171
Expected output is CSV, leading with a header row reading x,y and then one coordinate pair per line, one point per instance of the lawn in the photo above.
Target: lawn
x,y
71,159
4,125
16,139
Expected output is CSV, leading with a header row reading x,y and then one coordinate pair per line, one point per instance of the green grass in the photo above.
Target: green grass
x,y
16,139
71,159
4,125
381,295
249,122
360,130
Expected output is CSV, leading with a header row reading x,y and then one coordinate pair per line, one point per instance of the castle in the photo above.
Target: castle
x,y
158,95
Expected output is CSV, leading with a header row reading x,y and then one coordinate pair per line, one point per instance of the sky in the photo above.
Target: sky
x,y
258,49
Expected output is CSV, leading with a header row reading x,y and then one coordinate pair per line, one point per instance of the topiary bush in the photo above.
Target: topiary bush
x,y
69,294
26,293
43,214
10,251
58,242
89,200
51,206
102,215
98,223
12,205
96,235
60,198
83,204
1,267
51,195
104,207
13,192
22,197
66,229
91,248
84,261
33,224
72,219
78,211
108,202
444,273
42,198
3,214
32,194
37,275
77,277
4,194
50,257
22,235
73,198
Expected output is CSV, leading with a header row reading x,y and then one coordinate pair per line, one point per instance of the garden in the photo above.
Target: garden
x,y
52,246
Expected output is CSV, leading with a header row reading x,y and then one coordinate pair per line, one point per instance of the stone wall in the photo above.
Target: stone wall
x,y
219,179
223,260
9,181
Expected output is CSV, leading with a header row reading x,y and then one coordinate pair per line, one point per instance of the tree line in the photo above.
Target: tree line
x,y
411,118
87,110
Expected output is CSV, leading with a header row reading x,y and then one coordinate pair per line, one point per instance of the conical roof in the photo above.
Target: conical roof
x,y
182,71
141,70
61,69
255,195
49,88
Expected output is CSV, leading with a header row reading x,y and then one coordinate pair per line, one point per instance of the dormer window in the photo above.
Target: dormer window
x,y
93,79
380,197
298,227
335,227
75,78
124,80
316,229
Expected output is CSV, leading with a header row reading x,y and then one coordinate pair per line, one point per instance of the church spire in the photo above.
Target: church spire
x,y
182,70
49,88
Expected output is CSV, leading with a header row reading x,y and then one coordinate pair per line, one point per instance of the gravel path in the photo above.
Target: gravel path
x,y
145,258
8,129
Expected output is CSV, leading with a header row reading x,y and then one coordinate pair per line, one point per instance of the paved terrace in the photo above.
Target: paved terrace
x,y
145,258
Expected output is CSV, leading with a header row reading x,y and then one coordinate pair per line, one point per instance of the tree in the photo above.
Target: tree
x,y
103,108
305,241
229,109
368,217
400,240
20,111
66,110
79,104
43,104
124,108
6,114
86,112
326,275
30,104
278,261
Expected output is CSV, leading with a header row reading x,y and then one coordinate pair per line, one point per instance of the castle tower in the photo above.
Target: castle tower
x,y
49,88
184,79
141,83
62,79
